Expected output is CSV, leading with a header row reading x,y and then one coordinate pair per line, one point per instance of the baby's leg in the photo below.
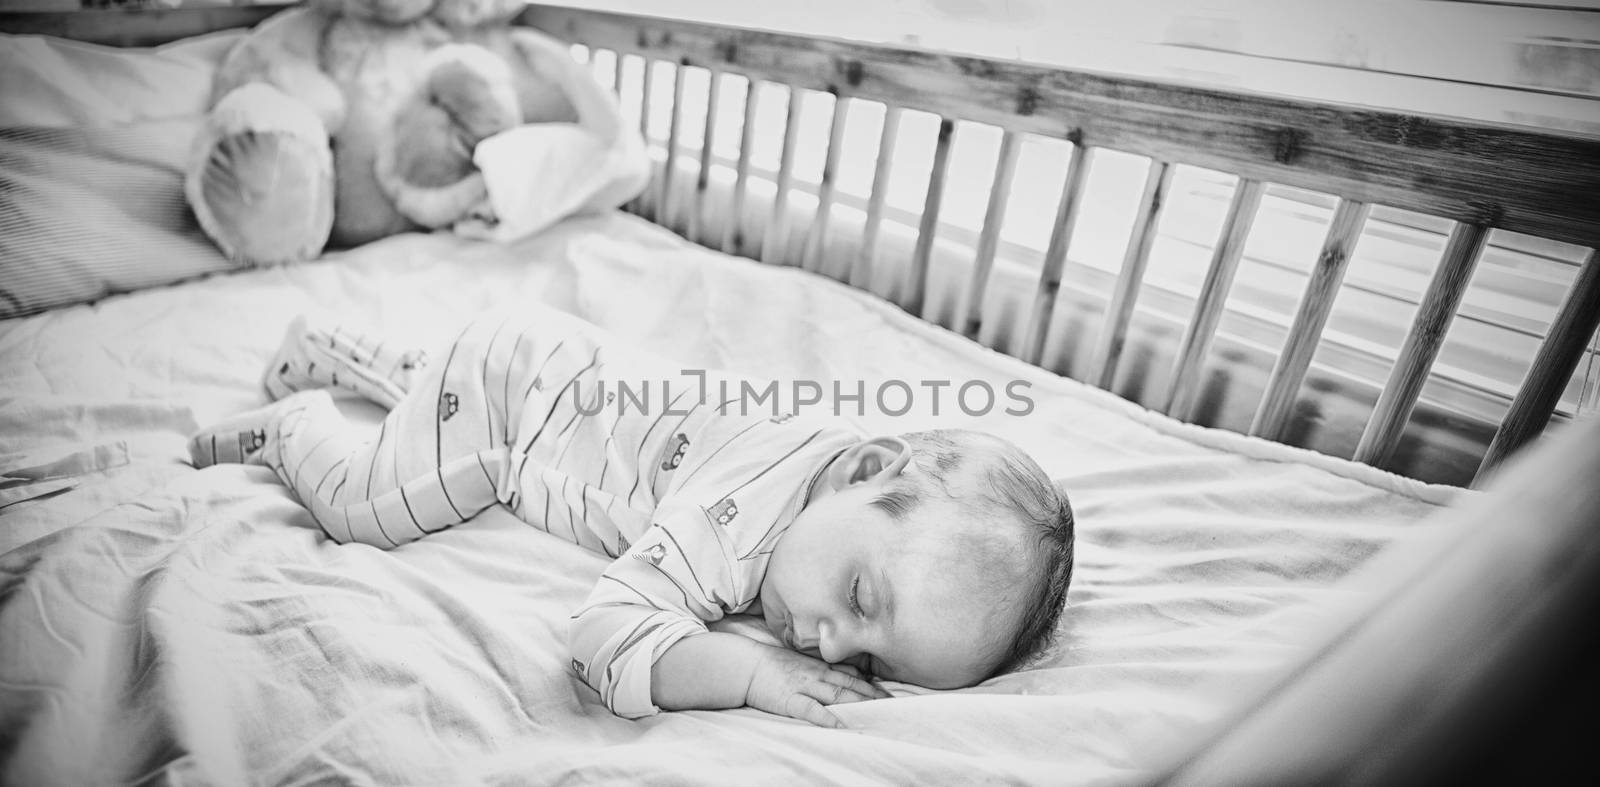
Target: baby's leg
x,y
440,456
315,355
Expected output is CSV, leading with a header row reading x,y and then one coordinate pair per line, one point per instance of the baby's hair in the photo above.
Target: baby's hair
x,y
1013,483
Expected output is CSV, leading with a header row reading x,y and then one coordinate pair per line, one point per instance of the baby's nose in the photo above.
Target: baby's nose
x,y
832,646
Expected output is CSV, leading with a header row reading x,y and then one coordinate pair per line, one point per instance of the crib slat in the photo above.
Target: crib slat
x,y
644,102
861,270
1434,314
930,219
1114,330
777,232
1553,365
644,131
994,217
1290,370
1213,297
733,230
1055,256
825,191
707,154
616,81
667,197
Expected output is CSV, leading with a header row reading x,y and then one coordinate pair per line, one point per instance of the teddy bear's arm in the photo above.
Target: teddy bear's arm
x,y
283,52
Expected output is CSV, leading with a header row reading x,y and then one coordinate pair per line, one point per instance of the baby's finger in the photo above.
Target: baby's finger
x,y
804,708
829,694
850,678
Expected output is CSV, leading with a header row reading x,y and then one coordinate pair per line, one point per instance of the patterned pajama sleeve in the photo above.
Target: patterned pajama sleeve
x,y
704,556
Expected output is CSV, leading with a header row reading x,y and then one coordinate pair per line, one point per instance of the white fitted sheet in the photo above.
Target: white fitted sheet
x,y
195,623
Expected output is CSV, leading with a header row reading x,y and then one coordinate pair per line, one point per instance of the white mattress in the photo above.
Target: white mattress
x,y
195,625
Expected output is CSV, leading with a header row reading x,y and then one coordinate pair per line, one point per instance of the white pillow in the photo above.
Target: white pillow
x,y
92,211
56,82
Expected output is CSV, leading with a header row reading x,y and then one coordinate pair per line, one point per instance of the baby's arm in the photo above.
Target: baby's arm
x,y
641,639
719,670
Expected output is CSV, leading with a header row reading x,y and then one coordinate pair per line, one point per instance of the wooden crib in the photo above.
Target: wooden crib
x,y
1480,176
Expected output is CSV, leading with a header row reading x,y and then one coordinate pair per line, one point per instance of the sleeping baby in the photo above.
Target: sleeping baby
x,y
936,558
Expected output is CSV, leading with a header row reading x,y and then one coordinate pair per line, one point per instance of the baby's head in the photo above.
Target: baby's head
x,y
935,558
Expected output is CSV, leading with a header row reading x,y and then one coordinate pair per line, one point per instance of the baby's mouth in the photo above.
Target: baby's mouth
x,y
793,642
780,624
786,632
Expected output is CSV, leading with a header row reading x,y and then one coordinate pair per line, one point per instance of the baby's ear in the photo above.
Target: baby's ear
x,y
882,458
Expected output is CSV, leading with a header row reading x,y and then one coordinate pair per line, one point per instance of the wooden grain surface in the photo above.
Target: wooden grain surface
x,y
1209,304
1042,314
777,230
1114,328
994,218
1545,184
708,140
733,238
917,286
1411,366
1558,356
811,256
1283,386
668,198
646,91
861,267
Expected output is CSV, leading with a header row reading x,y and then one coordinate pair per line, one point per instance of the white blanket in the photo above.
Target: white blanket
x,y
194,625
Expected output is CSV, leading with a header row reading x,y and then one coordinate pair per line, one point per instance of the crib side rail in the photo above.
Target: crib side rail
x,y
1544,184
1479,175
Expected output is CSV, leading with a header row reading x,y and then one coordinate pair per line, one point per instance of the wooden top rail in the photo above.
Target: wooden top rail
x,y
1544,183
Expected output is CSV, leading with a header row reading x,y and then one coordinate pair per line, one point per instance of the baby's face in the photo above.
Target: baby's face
x,y
848,583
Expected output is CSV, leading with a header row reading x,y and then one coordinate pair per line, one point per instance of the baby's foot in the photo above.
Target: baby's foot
x,y
250,437
219,445
336,357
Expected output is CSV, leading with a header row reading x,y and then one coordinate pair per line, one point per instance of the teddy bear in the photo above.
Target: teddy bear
x,y
339,122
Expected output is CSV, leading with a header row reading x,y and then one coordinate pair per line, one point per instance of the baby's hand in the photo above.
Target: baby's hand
x,y
798,686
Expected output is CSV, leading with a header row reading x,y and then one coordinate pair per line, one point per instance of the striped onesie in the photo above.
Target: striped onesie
x,y
584,439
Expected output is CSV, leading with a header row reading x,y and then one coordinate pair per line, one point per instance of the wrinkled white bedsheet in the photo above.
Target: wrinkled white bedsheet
x,y
194,625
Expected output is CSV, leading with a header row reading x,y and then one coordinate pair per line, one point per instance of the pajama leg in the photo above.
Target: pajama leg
x,y
384,492
314,355
442,455
332,355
